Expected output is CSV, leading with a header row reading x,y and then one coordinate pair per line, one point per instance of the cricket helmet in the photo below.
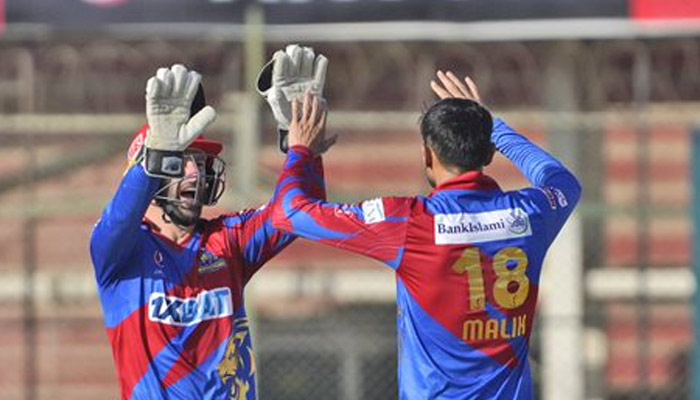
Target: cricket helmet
x,y
202,151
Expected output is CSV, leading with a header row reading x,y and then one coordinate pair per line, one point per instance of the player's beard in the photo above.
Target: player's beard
x,y
186,210
183,215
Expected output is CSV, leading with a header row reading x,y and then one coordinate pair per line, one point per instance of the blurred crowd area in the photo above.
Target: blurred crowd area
x,y
621,113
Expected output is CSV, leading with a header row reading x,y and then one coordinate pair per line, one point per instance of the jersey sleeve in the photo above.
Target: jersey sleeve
x,y
555,191
374,228
253,232
115,234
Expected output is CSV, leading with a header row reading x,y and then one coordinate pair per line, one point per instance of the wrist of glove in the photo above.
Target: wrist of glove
x,y
164,163
283,139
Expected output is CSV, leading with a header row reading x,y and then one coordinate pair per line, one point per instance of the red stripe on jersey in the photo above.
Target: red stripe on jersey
x,y
217,241
208,335
382,240
206,339
133,358
428,275
386,248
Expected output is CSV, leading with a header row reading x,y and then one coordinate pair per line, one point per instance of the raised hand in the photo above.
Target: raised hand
x,y
452,87
169,95
289,75
286,77
308,124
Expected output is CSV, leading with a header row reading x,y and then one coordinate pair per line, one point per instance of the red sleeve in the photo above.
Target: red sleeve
x,y
375,228
253,233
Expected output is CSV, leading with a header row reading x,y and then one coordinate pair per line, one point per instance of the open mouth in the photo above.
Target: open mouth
x,y
188,195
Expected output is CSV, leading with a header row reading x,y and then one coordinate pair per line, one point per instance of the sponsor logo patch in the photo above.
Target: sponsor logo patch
x,y
551,198
373,211
486,226
561,199
178,311
209,263
345,209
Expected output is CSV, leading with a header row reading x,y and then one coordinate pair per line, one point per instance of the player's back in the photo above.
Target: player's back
x,y
468,260
467,289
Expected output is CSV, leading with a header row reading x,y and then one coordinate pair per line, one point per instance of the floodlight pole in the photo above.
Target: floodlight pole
x,y
247,140
562,311
25,64
695,363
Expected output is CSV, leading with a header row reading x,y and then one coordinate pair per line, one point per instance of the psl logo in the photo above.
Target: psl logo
x,y
237,370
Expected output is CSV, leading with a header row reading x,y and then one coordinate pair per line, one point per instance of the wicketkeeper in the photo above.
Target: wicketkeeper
x,y
170,282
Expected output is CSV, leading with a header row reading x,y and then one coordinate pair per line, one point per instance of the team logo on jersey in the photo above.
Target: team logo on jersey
x,y
209,263
158,259
488,226
373,211
518,222
237,370
178,311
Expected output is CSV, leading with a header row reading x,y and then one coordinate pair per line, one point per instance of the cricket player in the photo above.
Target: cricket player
x,y
170,282
467,257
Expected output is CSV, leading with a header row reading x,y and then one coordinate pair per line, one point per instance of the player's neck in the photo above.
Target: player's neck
x,y
175,233
443,173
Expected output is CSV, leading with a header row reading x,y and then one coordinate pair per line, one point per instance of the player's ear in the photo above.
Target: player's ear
x,y
429,162
427,156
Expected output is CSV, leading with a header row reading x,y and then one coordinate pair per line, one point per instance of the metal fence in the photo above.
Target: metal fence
x,y
616,320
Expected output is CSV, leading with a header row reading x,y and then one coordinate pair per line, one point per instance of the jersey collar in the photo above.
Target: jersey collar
x,y
155,230
471,180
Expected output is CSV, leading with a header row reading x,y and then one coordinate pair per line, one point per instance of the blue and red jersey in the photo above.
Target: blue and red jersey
x,y
175,314
468,259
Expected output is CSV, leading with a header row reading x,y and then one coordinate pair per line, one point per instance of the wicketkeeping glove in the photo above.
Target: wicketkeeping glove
x,y
169,95
288,76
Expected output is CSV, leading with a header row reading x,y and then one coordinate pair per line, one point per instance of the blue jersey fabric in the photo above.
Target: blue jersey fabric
x,y
468,260
175,314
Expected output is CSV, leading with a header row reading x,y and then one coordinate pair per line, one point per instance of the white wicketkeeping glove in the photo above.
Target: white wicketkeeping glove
x,y
169,95
288,76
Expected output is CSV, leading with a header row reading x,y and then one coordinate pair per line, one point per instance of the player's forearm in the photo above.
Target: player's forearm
x,y
536,164
134,195
115,233
317,190
294,191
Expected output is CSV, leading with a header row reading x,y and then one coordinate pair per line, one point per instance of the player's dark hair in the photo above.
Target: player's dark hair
x,y
459,131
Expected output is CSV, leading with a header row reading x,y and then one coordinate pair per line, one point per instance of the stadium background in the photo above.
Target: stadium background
x,y
612,87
